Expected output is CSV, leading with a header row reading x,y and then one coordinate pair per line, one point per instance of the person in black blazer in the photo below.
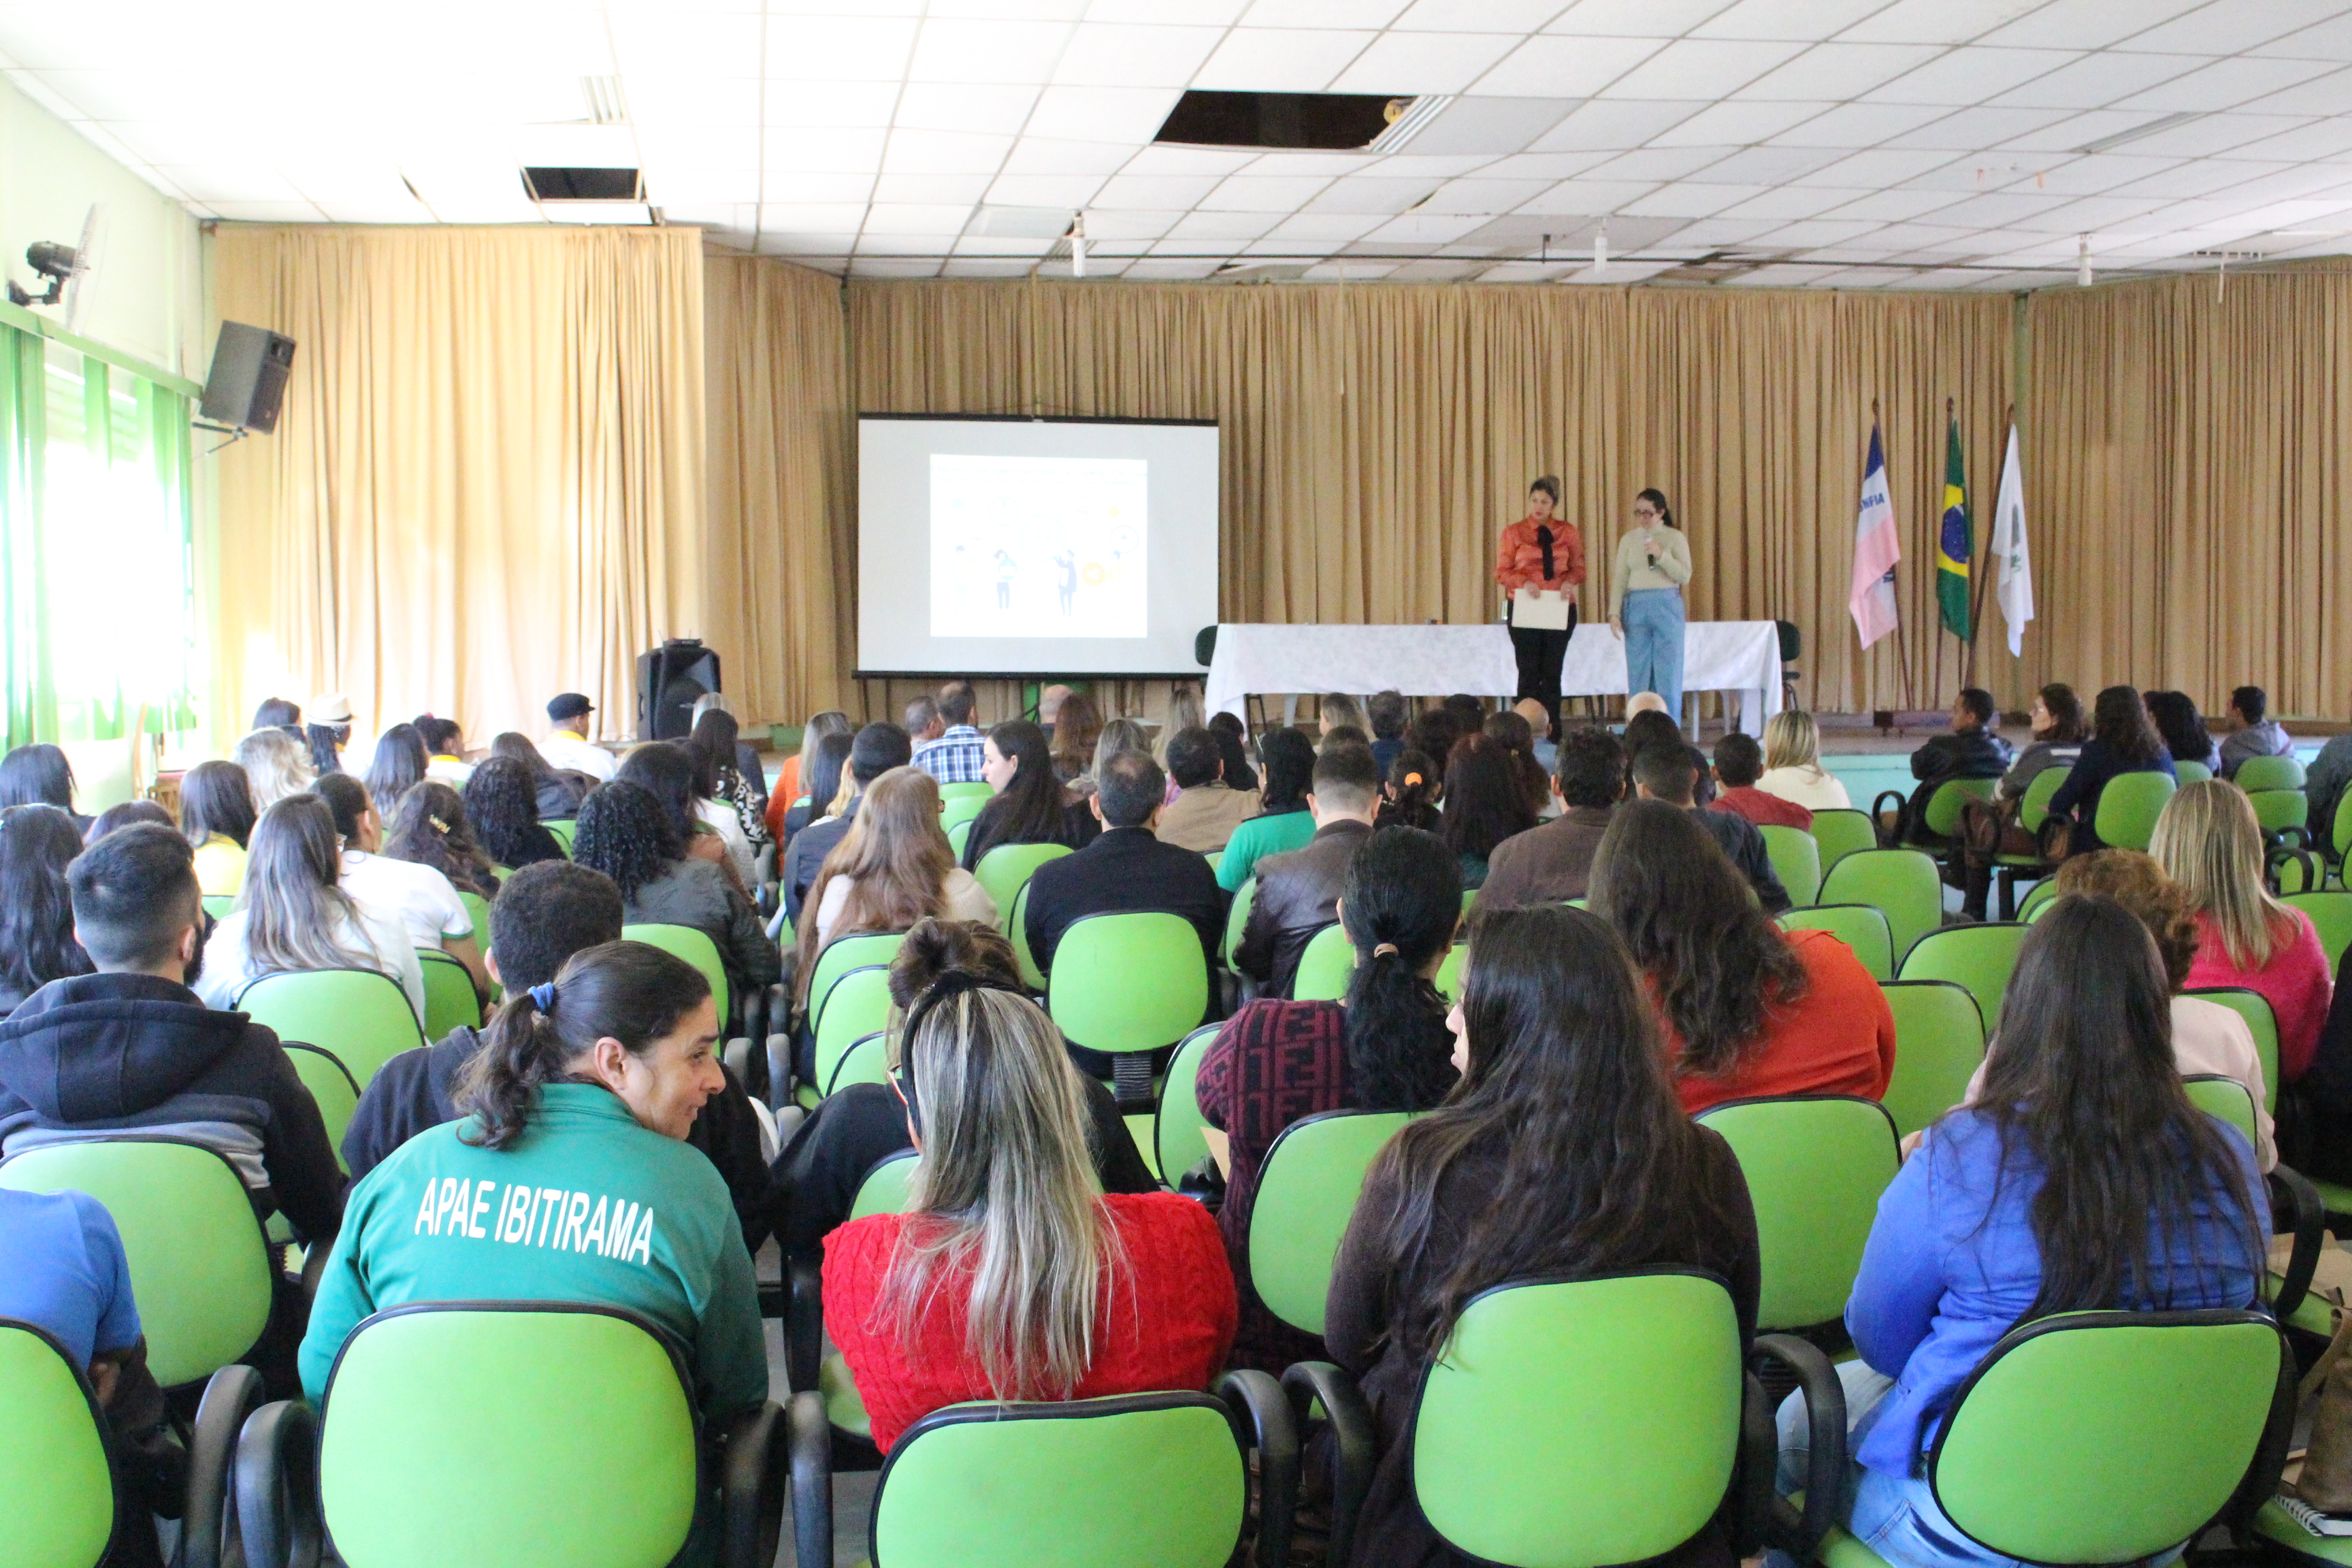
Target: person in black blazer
x,y
1127,871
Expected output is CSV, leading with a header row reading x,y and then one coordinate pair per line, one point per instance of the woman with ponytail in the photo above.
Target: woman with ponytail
x,y
1384,1048
568,1179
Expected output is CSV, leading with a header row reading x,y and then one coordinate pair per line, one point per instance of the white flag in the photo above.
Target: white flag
x,y
1877,546
2012,563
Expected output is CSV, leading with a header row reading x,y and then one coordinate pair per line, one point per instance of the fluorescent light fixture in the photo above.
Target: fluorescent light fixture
x,y
1416,114
606,104
2108,144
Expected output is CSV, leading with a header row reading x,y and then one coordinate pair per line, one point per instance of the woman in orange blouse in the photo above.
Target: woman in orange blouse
x,y
1541,552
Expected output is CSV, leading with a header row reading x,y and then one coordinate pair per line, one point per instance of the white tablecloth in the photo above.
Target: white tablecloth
x,y
1419,661
1741,657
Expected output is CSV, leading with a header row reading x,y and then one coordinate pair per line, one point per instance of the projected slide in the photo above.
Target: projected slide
x,y
1039,547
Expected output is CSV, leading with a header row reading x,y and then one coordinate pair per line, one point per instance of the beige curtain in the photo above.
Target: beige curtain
x,y
486,483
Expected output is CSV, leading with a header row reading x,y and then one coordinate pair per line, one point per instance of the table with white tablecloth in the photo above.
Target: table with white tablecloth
x,y
1419,660
1740,658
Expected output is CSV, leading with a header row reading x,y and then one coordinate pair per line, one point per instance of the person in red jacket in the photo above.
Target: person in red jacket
x,y
1073,1295
1542,552
1747,1010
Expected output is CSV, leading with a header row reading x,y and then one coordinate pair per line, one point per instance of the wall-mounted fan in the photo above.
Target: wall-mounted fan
x,y
66,268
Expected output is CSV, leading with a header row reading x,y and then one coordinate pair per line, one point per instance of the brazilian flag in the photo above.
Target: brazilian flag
x,y
1952,542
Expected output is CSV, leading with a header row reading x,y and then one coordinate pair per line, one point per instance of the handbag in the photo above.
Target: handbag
x,y
2325,1481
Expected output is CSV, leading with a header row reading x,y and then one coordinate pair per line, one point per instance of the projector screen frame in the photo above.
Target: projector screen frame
x,y
1060,674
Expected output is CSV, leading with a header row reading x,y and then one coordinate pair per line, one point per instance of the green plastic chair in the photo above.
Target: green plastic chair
x,y
332,1086
856,1005
1862,927
219,905
2331,917
1236,921
979,790
200,1269
543,1432
959,838
1815,1168
1981,957
867,1061
57,1492
2191,772
2031,813
842,954
961,811
697,947
2339,835
1902,884
1326,967
562,827
2257,774
360,1016
2110,1436
1005,870
2037,902
2222,1098
1942,817
1017,927
1796,858
886,1187
1449,972
2129,808
2281,811
1842,830
478,907
1127,983
1307,1192
1940,1043
449,999
1176,1142
2261,1022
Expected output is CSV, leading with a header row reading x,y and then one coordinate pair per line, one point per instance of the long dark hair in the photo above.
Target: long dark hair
x,y
1518,737
1484,802
821,770
1432,735
37,774
1682,910
2119,720
627,991
1078,725
36,943
1412,794
2065,711
217,801
2082,1081
1567,1088
430,828
322,740
1029,811
665,769
626,832
277,714
397,767
2181,726
712,749
502,807
515,745
1289,757
1398,904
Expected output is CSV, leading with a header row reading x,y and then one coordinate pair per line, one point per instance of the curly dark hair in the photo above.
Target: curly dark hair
x,y
430,828
667,770
1484,801
502,807
626,832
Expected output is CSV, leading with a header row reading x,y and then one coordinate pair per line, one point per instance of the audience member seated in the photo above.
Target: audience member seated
x,y
1512,731
2257,735
1408,796
1127,871
2123,741
129,1050
1078,725
502,808
1343,735
578,1106
1969,751
278,713
1012,1276
1483,804
122,814
1540,727
2209,842
276,765
558,792
567,744
445,747
2029,1204
631,837
1206,809
40,774
1283,822
2182,729
724,789
1739,764
1185,712
37,929
1550,864
1469,712
67,1276
1387,713
1299,892
217,817
1562,1153
1385,1047
328,733
1664,773
398,766
922,720
667,771
955,756
876,750
2322,786
1232,745
792,774
1338,710
826,771
1432,735
418,898
1792,764
1650,728
893,869
814,1180
2057,740
1747,1009
1992,828
430,828
728,747
295,915
1030,805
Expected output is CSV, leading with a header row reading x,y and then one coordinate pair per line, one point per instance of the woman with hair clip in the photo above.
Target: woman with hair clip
x,y
217,819
1282,823
36,928
558,793
275,766
1540,555
1746,1009
2082,1179
428,828
397,767
631,836
1409,796
40,774
582,1186
1030,805
294,915
1385,1047
1012,1276
2123,741
816,1176
1485,803
502,805
1561,1152
1645,600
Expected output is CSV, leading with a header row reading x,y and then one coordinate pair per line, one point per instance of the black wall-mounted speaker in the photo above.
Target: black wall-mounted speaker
x,y
247,383
669,679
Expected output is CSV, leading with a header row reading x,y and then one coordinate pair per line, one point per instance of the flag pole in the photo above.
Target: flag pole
x,y
1902,651
1977,589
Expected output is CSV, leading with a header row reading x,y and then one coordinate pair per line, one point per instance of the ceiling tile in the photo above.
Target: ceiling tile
x,y
1103,54
682,42
1009,10
1263,192
1481,195
1445,167
1878,168
1155,191
1973,130
1546,166
849,48
1204,13
1501,15
1340,14
1334,227
1766,166
2329,40
774,241
1047,155
1615,126
696,185
704,99
830,105
1738,124
227,182
2322,139
1659,162
1783,275
1969,76
1323,164
1279,59
1372,194
1688,200
1790,202
1126,224
1589,196
1169,160
1548,67
2229,84
265,211
1131,114
965,106
1896,206
2232,26
2213,133
2326,94
1804,21
1636,18
2087,24
1169,270
959,49
843,218
783,185
930,190
1423,62
2096,81
2089,214
1425,227
1998,207
1835,72
944,152
983,266
1851,125
1199,226
1703,67
1937,21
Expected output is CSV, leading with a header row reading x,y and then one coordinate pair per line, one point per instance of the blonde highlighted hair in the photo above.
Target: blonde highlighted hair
x,y
1791,739
2209,841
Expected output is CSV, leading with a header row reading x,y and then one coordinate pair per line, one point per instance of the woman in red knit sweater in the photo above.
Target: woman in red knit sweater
x,y
1747,1009
1012,1276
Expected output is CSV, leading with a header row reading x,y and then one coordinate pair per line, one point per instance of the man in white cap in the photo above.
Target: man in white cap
x,y
567,744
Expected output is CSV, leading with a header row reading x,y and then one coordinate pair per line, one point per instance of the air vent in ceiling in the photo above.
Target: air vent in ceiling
x,y
551,184
1330,121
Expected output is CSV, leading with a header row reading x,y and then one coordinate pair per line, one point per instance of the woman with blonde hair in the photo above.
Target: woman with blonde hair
x,y
2209,841
1792,764
1012,1276
275,765
893,868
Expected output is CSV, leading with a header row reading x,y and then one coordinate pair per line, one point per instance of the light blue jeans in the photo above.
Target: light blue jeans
x,y
1654,645
1895,1516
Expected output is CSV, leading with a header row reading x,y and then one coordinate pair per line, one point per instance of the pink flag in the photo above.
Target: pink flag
x,y
1876,548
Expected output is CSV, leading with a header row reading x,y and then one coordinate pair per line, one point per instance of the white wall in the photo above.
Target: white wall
x,y
148,298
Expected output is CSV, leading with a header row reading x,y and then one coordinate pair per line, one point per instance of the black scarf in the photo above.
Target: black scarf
x,y
1543,543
